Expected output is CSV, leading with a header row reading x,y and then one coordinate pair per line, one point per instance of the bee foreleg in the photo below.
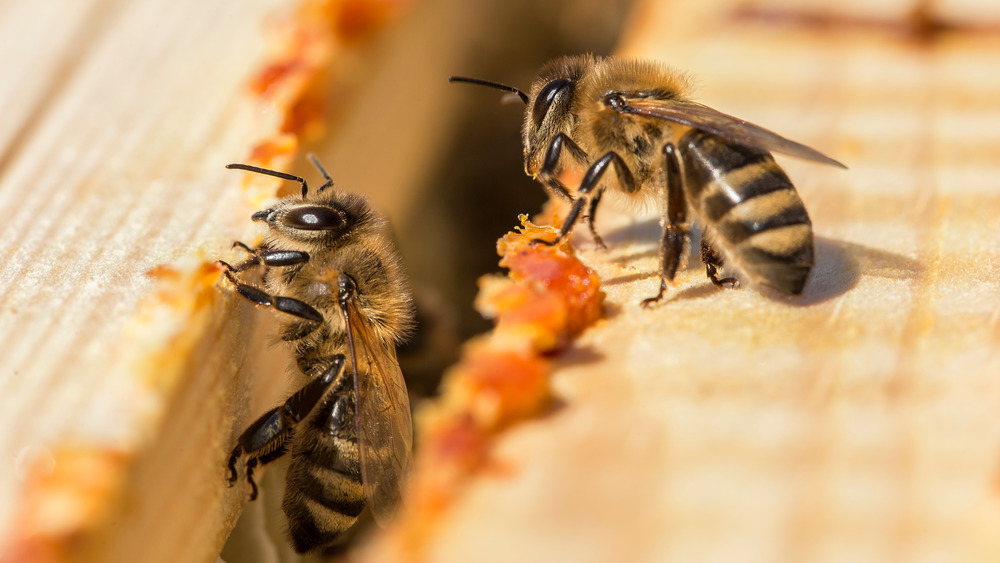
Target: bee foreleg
x,y
591,183
592,216
258,256
713,260
552,166
246,264
674,227
284,304
281,258
574,213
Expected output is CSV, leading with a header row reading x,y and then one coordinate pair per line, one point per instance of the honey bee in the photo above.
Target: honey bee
x,y
586,115
329,266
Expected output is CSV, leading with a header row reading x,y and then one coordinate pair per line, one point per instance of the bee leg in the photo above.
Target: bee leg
x,y
246,264
262,441
551,166
235,455
278,258
251,464
674,228
592,216
266,439
590,183
284,304
282,258
713,260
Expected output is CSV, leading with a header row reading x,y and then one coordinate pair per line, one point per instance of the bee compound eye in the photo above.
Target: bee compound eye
x,y
615,100
547,95
314,218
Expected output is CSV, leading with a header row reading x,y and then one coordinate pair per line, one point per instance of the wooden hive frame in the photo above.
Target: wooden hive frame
x,y
857,422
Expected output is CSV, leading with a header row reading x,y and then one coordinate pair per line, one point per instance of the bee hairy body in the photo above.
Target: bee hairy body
x,y
747,205
378,273
329,263
625,127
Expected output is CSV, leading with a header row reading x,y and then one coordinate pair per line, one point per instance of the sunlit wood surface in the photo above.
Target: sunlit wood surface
x,y
858,422
116,384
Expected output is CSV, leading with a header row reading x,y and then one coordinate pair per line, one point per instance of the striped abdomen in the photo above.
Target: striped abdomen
x,y
750,210
323,492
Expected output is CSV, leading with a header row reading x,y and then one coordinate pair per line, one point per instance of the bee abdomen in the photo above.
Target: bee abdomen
x,y
323,497
323,491
751,208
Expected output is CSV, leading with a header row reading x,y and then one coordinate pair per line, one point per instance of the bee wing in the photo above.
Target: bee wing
x,y
735,129
382,411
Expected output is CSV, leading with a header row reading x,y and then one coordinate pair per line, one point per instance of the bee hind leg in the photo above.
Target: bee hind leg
x,y
267,438
233,457
251,464
675,231
263,441
713,260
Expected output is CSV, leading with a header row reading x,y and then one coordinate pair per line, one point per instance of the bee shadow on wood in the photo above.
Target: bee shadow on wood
x,y
580,355
839,265
636,233
575,355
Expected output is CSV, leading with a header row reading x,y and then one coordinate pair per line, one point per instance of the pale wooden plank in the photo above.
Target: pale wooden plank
x,y
855,423
41,44
115,168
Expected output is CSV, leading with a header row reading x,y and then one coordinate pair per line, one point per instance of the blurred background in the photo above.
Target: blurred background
x,y
444,160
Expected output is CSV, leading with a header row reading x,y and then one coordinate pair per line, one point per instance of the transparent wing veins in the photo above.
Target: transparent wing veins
x,y
706,119
382,414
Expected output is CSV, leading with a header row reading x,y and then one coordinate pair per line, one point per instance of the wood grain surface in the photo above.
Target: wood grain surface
x,y
858,422
121,361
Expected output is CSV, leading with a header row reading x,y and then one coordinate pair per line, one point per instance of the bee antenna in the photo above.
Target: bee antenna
x,y
275,173
491,84
329,181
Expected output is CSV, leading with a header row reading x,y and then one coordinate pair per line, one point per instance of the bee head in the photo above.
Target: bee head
x,y
550,96
329,219
550,106
305,220
325,215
